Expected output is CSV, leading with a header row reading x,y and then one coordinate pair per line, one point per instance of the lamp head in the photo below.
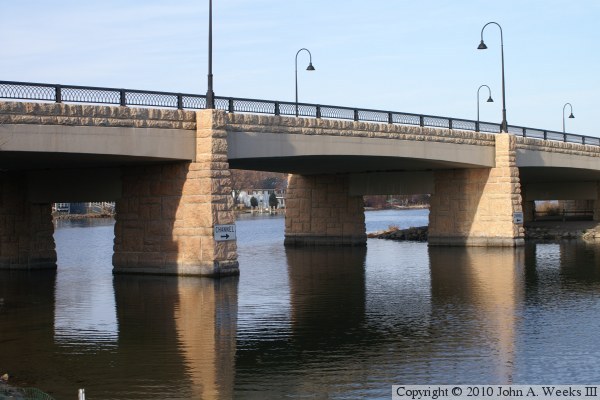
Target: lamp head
x,y
490,100
571,116
481,46
310,67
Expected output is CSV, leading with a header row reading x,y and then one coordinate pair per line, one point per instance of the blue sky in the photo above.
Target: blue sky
x,y
412,56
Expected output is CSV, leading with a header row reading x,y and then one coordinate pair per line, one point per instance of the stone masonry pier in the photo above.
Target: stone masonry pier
x,y
166,215
320,211
26,228
477,207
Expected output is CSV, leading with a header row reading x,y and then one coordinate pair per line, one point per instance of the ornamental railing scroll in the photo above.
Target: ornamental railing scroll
x,y
28,91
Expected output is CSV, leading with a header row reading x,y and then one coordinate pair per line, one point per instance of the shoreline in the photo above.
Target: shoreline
x,y
61,216
81,216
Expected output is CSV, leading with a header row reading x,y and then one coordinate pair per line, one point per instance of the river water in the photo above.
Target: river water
x,y
320,323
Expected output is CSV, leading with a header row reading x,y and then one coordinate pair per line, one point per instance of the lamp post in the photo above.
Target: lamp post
x,y
482,46
489,100
210,95
570,116
309,68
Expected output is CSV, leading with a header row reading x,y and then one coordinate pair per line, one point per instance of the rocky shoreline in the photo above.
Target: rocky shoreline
x,y
82,216
412,234
547,231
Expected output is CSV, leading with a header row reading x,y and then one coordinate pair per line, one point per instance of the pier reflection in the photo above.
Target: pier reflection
x,y
326,317
327,290
571,264
479,290
177,335
26,332
206,322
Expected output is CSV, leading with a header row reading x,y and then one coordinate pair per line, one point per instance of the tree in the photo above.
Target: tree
x,y
253,202
273,202
270,182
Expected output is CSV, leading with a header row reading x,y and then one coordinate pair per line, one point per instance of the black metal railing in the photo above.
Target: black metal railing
x,y
144,98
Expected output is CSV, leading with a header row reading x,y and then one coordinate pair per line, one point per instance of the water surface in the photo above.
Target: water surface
x,y
303,323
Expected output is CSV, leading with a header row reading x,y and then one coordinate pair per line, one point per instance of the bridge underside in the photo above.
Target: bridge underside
x,y
342,164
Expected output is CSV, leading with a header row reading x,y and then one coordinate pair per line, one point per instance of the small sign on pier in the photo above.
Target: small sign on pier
x,y
224,232
518,218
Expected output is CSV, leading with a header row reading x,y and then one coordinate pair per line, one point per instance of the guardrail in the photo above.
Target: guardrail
x,y
144,98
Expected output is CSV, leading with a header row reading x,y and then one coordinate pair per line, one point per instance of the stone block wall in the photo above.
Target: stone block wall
x,y
94,115
475,207
331,127
165,219
26,229
320,211
554,146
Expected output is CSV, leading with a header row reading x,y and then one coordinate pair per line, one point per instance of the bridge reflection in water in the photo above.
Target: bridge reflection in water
x,y
480,290
344,321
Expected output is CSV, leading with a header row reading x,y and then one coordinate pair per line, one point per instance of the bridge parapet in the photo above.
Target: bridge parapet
x,y
330,127
551,146
94,115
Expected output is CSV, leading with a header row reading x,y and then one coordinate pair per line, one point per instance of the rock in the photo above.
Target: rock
x,y
413,234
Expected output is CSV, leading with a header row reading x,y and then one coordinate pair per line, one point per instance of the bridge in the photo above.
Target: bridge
x,y
165,160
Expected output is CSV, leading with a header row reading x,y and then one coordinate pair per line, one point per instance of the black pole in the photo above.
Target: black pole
x,y
210,95
570,116
504,124
489,99
310,68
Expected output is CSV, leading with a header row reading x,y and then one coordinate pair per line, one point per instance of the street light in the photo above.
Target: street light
x,y
309,68
570,116
210,95
489,100
482,46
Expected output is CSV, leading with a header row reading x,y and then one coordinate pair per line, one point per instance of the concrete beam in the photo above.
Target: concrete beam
x,y
540,158
172,144
374,153
74,185
561,191
398,183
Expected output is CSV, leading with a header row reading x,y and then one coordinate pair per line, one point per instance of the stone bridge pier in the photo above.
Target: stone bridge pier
x,y
479,206
166,214
321,211
26,229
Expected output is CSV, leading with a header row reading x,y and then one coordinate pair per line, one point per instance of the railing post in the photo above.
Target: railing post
x,y
122,98
318,111
179,101
524,132
390,118
449,123
355,114
230,105
583,140
476,126
421,120
277,112
564,137
58,93
545,135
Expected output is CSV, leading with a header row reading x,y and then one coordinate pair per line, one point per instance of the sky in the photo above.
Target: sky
x,y
415,56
